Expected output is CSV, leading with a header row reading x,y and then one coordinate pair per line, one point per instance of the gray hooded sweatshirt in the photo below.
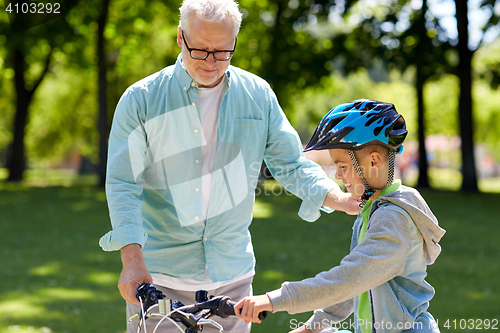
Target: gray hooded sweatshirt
x,y
390,263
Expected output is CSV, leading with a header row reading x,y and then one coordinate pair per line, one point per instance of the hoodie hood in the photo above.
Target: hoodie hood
x,y
412,202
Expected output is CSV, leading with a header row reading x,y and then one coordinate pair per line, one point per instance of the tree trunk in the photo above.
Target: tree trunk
x,y
423,167
102,122
16,158
421,77
469,182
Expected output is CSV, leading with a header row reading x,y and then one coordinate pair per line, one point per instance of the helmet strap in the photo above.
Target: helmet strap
x,y
368,190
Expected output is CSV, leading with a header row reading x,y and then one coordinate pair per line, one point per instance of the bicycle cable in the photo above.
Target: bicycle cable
x,y
142,321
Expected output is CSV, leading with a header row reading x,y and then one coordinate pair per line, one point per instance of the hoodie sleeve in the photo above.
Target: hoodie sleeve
x,y
378,258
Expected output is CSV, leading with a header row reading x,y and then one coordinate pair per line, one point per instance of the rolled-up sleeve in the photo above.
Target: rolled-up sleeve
x,y
288,165
127,158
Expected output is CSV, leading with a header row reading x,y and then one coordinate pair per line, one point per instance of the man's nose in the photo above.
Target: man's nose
x,y
210,60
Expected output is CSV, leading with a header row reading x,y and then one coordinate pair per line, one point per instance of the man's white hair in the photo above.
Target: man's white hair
x,y
212,11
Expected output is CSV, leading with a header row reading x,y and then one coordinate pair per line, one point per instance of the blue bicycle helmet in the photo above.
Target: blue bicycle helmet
x,y
358,124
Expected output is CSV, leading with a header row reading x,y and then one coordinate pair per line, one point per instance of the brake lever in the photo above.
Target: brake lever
x,y
188,315
203,321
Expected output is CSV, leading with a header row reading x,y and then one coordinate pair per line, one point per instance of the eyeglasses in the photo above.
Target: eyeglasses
x,y
221,55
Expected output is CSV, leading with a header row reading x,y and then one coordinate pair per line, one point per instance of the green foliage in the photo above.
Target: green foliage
x,y
441,99
141,40
300,47
63,114
63,118
487,117
278,44
441,103
487,64
486,96
394,31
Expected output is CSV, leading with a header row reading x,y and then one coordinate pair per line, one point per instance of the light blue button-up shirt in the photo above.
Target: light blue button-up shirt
x,y
154,178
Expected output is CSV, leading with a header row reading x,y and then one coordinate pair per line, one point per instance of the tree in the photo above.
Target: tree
x,y
277,44
464,72
102,123
16,160
403,37
95,40
30,44
426,46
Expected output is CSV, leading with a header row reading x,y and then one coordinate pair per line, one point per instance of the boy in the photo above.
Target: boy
x,y
394,237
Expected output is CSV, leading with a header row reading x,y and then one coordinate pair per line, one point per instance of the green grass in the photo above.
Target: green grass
x,y
55,278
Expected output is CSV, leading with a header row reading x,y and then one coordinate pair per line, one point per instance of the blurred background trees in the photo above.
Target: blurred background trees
x,y
437,60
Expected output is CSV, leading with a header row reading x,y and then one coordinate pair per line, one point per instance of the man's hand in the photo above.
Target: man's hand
x,y
250,307
338,200
134,272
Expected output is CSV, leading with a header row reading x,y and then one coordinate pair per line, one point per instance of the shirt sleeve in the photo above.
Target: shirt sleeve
x,y
377,259
127,159
288,165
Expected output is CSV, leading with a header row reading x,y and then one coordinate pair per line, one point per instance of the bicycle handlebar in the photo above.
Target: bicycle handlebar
x,y
221,306
190,315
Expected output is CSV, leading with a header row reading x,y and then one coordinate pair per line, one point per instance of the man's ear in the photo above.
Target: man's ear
x,y
179,36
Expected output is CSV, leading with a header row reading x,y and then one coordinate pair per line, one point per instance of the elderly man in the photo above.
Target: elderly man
x,y
185,152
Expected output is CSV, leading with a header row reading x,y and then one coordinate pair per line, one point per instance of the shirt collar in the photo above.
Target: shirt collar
x,y
391,188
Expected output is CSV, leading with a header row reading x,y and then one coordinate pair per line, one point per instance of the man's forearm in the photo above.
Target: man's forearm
x,y
134,272
132,255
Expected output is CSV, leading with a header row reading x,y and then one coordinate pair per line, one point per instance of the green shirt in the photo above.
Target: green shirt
x,y
364,313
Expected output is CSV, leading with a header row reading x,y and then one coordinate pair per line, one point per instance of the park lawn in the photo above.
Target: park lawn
x,y
55,278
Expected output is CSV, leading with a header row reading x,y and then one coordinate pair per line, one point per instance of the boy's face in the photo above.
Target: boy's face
x,y
345,171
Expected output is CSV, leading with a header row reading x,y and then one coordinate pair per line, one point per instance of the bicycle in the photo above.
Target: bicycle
x,y
192,317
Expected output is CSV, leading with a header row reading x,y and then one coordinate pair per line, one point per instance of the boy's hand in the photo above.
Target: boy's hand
x,y
250,307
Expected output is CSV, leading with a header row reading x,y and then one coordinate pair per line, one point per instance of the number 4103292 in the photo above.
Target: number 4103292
x,y
34,8
472,324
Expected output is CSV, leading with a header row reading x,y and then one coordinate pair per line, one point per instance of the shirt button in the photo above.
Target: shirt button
x,y
185,88
193,84
196,130
196,218
194,104
205,239
196,161
196,189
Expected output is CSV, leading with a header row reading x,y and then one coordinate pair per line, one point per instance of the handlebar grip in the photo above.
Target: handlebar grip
x,y
148,293
227,308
